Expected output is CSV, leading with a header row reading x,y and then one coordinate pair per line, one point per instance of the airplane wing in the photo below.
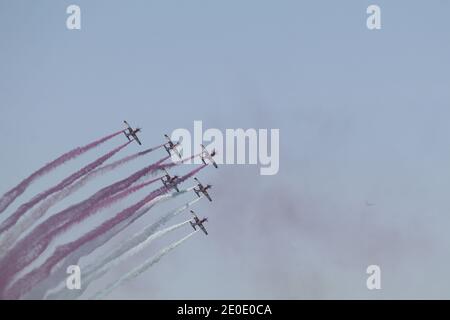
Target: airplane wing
x,y
167,137
126,123
207,195
177,152
204,150
213,162
137,139
203,229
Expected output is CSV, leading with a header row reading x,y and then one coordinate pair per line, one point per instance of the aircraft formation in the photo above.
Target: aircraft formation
x,y
170,181
18,251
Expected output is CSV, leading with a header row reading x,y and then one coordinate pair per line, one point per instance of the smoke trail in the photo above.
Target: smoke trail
x,y
17,258
58,272
142,268
39,245
12,194
35,276
170,215
137,243
88,272
64,183
142,240
9,237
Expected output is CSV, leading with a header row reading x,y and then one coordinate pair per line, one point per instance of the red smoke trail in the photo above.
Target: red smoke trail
x,y
64,183
129,158
9,238
39,245
28,281
17,258
12,194
59,272
93,174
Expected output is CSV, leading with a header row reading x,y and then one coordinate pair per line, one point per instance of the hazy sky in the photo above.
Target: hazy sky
x,y
363,116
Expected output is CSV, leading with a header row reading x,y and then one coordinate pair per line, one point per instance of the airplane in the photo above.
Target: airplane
x,y
369,204
170,145
131,132
167,180
209,156
202,189
198,222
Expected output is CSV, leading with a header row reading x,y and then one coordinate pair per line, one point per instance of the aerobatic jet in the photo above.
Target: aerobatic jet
x,y
206,155
171,146
131,132
169,181
198,223
202,189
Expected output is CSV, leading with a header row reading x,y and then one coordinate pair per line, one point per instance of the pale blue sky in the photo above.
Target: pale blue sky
x,y
363,115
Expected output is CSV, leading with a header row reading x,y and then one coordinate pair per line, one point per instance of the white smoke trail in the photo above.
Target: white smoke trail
x,y
138,242
96,270
55,288
95,273
171,214
141,268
